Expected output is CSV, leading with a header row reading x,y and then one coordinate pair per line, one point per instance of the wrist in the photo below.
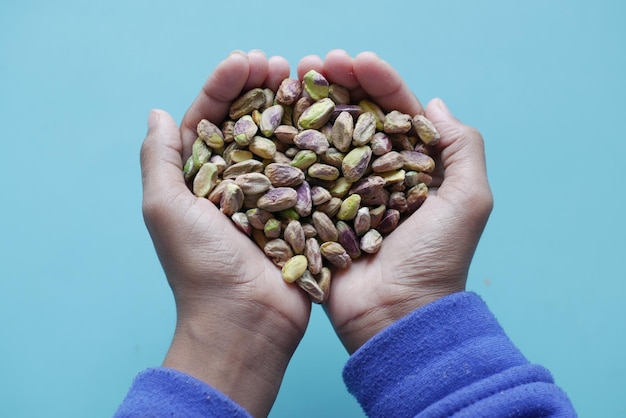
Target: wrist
x,y
360,329
243,353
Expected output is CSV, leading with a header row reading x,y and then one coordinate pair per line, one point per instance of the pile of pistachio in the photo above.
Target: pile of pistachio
x,y
313,179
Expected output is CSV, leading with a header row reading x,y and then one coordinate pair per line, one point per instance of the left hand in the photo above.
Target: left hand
x,y
238,322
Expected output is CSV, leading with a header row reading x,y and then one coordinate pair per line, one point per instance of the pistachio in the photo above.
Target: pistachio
x,y
309,230
270,119
335,254
281,174
417,161
400,142
294,268
219,162
371,241
263,147
241,222
339,94
389,222
319,195
397,122
244,130
376,215
349,207
312,140
356,162
348,240
368,186
323,171
243,167
227,130
332,156
341,187
278,199
313,255
380,144
215,196
415,196
294,235
205,180
259,238
394,176
288,214
330,208
391,161
278,251
232,199
426,130
304,159
316,85
285,133
362,221
373,108
354,111
245,104
253,183
258,217
288,91
323,280
380,197
316,115
342,131
364,129
300,106
324,226
304,203
272,228
240,155
308,283
200,153
190,169
398,201
210,134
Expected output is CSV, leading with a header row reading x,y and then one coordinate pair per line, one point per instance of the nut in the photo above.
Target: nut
x,y
294,235
210,134
278,199
348,240
244,130
281,174
349,207
205,180
312,140
316,115
251,100
316,85
232,199
371,241
289,91
270,119
278,251
396,122
426,130
342,131
313,255
335,254
323,171
324,226
294,268
356,162
253,183
308,283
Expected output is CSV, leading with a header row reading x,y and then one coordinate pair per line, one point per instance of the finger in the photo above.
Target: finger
x,y
310,62
384,85
161,163
258,69
339,69
278,70
463,157
220,89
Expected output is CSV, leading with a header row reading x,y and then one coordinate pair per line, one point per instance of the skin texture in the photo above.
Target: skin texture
x,y
238,322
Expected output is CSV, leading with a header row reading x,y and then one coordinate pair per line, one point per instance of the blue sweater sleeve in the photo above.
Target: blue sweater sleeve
x,y
162,392
450,358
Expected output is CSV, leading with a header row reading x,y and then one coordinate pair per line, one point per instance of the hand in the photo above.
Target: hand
x,y
238,322
429,254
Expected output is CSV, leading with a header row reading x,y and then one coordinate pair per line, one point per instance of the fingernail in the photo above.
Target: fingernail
x,y
256,51
153,119
237,52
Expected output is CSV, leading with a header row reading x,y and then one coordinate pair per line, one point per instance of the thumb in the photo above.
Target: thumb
x,y
463,157
161,160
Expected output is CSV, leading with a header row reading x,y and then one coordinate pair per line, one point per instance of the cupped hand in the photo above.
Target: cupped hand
x,y
238,322
428,255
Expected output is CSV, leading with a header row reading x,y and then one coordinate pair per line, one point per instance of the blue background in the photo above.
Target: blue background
x,y
84,304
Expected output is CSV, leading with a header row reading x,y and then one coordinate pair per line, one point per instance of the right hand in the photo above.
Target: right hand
x,y
429,254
